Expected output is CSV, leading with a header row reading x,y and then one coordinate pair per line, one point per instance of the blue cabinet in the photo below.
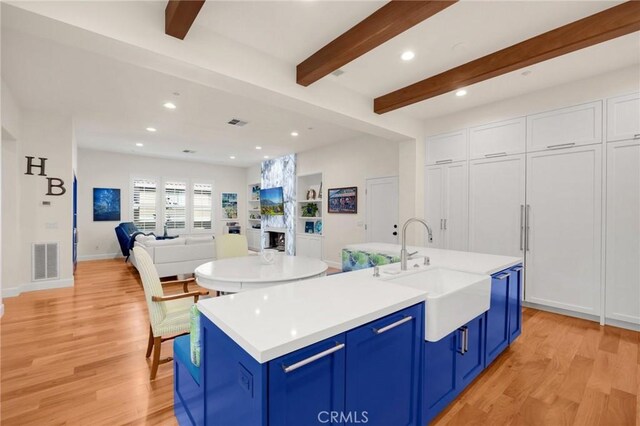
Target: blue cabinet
x,y
504,317
498,316
515,302
450,364
308,383
383,361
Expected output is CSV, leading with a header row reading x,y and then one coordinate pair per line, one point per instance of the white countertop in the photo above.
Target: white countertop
x,y
274,321
466,261
251,269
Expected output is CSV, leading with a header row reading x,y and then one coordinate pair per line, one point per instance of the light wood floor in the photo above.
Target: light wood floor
x,y
76,356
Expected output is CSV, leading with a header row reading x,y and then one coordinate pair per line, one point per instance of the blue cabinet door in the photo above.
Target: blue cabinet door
x,y
470,359
515,302
306,386
383,370
498,316
439,379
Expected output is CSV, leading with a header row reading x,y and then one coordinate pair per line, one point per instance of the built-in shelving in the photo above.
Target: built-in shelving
x,y
309,243
253,217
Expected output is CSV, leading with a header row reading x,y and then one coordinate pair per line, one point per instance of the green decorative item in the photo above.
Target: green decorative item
x,y
310,210
194,335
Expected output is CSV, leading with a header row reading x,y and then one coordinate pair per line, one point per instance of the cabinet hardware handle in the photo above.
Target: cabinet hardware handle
x,y
636,136
501,276
315,357
496,154
521,227
441,226
460,350
394,325
527,219
466,339
445,224
561,145
516,268
450,160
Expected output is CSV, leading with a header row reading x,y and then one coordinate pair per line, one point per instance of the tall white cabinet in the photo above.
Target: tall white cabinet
x,y
560,189
446,188
563,235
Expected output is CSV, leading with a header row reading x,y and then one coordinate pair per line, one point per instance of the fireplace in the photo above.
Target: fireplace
x,y
276,239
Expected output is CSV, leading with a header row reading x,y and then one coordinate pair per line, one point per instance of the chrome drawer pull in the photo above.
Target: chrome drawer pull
x,y
496,154
394,325
636,136
466,339
502,277
561,145
309,360
516,268
444,161
521,227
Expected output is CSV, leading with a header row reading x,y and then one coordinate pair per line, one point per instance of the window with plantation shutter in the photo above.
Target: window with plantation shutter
x,y
202,206
175,207
144,204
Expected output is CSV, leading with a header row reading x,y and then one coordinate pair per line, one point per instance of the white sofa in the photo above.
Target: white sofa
x,y
177,256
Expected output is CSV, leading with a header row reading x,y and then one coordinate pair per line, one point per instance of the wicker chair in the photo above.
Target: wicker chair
x,y
168,315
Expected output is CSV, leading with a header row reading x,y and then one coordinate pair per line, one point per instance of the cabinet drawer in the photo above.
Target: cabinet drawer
x,y
567,127
446,148
498,139
623,118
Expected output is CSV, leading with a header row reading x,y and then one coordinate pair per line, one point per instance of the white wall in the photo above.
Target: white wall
x,y
348,164
98,169
26,220
623,81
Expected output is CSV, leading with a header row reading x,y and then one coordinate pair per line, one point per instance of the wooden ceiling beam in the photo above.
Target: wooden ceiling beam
x,y
603,26
385,23
179,16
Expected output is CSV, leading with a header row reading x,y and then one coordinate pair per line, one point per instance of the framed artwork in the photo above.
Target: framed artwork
x,y
343,200
308,227
106,204
229,205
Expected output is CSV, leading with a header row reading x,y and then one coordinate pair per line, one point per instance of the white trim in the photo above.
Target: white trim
x,y
622,324
102,256
1,309
35,286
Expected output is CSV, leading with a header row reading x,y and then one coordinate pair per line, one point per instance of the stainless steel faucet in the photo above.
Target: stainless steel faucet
x,y
403,252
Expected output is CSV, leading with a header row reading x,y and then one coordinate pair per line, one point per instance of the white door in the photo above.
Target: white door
x,y
564,197
433,204
496,205
623,232
382,210
456,206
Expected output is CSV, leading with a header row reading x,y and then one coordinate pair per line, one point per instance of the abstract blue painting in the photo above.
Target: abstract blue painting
x,y
106,204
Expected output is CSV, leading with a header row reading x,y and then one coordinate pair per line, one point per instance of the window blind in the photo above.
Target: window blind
x,y
202,206
144,204
175,207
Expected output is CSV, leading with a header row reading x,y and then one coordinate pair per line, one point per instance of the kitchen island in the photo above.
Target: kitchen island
x,y
342,348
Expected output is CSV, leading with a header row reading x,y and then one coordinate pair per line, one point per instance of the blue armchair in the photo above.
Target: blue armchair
x,y
126,232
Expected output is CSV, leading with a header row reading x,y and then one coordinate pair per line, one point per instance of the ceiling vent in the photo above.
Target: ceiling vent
x,y
236,122
188,151
337,73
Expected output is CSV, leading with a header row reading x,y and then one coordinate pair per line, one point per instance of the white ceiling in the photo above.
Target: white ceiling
x,y
113,102
292,31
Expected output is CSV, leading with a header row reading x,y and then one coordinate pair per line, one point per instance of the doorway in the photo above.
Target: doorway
x,y
382,210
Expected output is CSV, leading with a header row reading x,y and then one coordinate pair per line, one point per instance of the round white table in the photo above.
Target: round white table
x,y
238,274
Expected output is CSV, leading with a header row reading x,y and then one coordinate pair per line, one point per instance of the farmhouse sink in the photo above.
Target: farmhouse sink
x,y
453,298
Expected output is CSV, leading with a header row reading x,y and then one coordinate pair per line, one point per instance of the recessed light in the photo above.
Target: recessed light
x,y
266,157
461,92
139,144
407,55
258,147
294,134
151,129
233,157
169,105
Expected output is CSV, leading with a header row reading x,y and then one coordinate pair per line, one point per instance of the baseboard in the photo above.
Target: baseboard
x,y
36,286
589,317
99,256
1,309
622,324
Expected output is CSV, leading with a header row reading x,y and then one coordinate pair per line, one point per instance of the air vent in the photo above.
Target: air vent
x,y
45,261
337,73
236,122
188,151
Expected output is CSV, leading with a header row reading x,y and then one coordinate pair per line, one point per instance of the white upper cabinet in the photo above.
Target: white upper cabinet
x,y
564,128
623,118
498,139
447,148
